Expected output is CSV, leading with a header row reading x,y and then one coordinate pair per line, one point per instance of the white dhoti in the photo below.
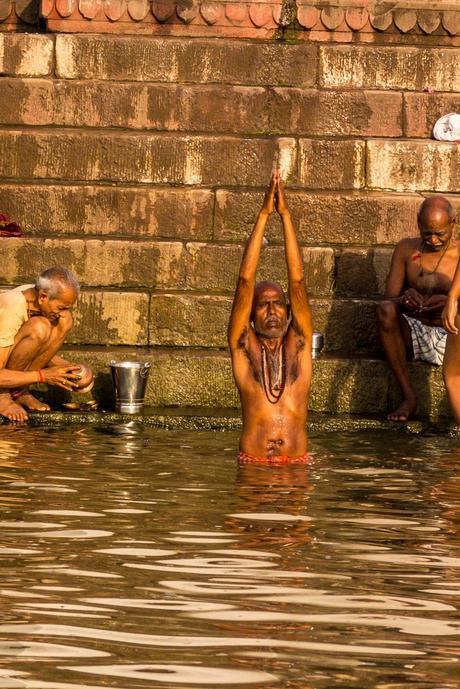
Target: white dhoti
x,y
428,341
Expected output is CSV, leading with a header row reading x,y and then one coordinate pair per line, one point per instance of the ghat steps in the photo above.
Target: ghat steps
x,y
140,163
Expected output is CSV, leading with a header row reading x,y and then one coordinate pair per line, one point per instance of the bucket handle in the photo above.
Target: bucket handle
x,y
144,371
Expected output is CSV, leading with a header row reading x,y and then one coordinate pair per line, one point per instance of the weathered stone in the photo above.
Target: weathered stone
x,y
421,110
26,55
161,107
201,321
331,164
189,60
110,318
131,158
429,388
189,321
349,113
96,262
407,68
129,212
215,267
348,325
413,166
362,272
354,386
322,218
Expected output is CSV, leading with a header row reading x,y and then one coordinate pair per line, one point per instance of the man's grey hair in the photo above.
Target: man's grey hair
x,y
53,280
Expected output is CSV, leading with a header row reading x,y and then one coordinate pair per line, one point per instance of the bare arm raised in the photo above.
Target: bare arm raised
x,y
298,298
238,328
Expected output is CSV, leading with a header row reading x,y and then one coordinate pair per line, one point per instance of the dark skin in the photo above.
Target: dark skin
x,y
451,364
420,277
20,362
260,318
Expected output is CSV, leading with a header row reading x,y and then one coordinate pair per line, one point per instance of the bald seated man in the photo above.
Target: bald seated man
x,y
410,314
270,345
34,321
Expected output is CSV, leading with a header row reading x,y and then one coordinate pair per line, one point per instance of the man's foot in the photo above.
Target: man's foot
x,y
30,402
10,409
404,411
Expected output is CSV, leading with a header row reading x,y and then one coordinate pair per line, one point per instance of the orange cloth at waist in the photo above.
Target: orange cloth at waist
x,y
245,458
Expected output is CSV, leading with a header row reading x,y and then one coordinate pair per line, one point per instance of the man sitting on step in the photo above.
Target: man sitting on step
x,y
270,344
409,317
34,321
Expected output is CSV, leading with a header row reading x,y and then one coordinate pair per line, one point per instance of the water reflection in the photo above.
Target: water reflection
x,y
139,558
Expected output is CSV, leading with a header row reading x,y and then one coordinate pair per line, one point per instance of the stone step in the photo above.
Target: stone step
x,y
203,378
332,218
214,108
321,164
184,320
222,108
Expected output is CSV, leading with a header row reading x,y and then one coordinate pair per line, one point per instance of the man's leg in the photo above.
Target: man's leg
x,y
451,372
35,344
396,340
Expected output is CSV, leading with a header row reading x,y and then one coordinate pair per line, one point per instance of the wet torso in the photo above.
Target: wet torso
x,y
430,273
273,427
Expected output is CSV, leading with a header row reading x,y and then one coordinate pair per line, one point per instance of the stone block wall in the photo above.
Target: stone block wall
x,y
140,162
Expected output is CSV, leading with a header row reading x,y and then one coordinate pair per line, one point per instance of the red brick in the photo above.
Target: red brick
x,y
185,60
96,210
322,218
214,267
131,158
421,110
331,164
341,113
96,262
362,272
25,54
413,165
408,68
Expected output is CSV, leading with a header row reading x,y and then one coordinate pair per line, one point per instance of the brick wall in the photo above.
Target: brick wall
x,y
140,162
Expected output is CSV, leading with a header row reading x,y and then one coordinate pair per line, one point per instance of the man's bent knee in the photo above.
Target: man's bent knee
x,y
387,313
38,328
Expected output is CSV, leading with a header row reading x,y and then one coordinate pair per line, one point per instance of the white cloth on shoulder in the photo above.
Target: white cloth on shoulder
x,y
428,341
447,128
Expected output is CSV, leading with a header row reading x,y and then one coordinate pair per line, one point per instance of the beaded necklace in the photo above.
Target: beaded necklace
x,y
274,388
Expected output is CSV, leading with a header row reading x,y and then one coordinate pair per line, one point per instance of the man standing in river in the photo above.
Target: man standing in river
x,y
409,317
270,345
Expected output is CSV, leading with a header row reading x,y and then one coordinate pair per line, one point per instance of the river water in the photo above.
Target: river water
x,y
132,557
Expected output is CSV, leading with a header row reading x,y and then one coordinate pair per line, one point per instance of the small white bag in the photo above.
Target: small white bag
x,y
447,128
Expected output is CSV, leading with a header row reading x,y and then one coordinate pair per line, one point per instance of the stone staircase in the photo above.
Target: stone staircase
x,y
140,162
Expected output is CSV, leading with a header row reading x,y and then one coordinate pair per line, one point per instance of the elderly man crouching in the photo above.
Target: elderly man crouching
x,y
34,321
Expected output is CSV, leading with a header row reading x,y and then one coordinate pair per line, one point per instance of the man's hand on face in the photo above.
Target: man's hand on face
x,y
269,200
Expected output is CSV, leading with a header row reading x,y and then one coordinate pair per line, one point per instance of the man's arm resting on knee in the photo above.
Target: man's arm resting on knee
x,y
450,311
65,376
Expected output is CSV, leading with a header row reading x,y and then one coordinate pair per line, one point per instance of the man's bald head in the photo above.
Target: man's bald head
x,y
437,209
264,285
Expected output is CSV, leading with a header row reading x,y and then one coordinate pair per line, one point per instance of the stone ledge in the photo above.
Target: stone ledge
x,y
202,378
192,419
342,19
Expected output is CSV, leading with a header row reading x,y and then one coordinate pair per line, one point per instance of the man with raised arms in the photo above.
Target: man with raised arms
x,y
270,345
34,321
409,317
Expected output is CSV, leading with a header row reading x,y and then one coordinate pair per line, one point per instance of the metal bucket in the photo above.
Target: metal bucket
x,y
129,380
317,343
